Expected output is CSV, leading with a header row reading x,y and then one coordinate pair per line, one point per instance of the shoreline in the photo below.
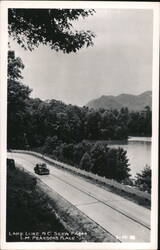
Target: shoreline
x,y
140,139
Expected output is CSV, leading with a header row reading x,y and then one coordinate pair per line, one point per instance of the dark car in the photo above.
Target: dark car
x,y
11,163
41,169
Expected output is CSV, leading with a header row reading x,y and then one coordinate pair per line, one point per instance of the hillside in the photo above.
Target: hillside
x,y
133,102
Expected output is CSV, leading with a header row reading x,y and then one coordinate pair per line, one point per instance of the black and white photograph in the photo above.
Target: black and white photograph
x,y
79,105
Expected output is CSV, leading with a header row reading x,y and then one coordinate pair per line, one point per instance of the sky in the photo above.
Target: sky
x,y
119,62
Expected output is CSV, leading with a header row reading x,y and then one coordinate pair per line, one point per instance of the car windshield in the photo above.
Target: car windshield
x,y
43,165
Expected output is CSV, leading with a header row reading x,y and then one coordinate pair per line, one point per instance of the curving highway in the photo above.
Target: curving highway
x,y
124,219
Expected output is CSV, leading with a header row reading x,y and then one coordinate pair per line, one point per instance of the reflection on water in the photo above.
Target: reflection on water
x,y
138,153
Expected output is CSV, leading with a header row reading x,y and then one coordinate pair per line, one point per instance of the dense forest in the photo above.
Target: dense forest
x,y
68,132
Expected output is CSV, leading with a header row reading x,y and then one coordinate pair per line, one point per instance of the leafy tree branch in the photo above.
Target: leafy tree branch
x,y
53,27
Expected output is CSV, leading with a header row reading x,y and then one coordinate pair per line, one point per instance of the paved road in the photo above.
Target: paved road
x,y
122,218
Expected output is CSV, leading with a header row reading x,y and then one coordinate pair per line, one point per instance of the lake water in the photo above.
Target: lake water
x,y
138,152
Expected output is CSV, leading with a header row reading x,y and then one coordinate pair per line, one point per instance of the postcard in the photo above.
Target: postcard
x,y
79,124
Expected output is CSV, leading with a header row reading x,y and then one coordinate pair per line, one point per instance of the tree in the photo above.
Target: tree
x,y
98,155
109,162
92,125
18,94
79,150
53,27
143,179
117,162
86,162
147,127
50,144
66,153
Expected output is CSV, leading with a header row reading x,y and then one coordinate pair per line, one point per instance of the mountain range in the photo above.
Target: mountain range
x,y
133,102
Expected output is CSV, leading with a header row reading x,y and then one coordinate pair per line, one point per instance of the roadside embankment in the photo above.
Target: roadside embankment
x,y
37,213
28,211
142,198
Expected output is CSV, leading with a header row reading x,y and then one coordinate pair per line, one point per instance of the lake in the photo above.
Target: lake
x,y
138,152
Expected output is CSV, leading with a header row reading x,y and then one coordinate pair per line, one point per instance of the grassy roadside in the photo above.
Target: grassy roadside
x,y
29,213
36,213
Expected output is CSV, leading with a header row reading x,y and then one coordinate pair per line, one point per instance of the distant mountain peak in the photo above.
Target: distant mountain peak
x,y
133,102
146,93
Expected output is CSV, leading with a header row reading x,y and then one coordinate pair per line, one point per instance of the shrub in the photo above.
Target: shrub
x,y
27,208
86,162
143,179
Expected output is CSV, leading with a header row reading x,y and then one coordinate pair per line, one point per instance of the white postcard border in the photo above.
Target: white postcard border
x,y
3,124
